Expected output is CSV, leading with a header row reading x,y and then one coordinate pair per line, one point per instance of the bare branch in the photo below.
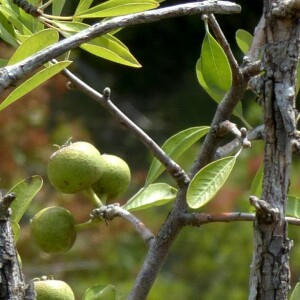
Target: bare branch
x,y
104,100
11,74
235,144
111,211
198,219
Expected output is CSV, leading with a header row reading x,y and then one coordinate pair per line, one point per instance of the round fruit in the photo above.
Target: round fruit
x,y
53,229
74,167
114,179
53,290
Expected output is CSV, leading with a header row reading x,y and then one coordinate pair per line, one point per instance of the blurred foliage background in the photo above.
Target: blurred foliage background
x,y
163,97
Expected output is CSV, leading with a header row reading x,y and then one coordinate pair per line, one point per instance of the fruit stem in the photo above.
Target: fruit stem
x,y
88,224
89,192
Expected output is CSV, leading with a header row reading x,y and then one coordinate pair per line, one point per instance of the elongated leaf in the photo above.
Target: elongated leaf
x,y
33,82
112,49
25,192
208,181
114,8
175,146
256,186
153,195
293,207
107,46
100,292
57,7
244,40
213,93
213,69
16,229
296,292
12,18
33,44
7,33
82,6
28,20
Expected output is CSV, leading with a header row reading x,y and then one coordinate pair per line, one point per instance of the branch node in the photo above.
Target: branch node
x,y
105,212
5,203
271,211
106,94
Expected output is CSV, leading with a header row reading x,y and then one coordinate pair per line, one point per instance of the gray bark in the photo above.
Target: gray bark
x,y
270,278
12,283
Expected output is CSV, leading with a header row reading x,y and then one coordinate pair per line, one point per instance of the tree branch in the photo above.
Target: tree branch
x,y
111,211
198,219
104,100
11,74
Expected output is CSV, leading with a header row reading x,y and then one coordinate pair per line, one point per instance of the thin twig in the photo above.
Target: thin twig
x,y
11,74
104,100
109,212
198,219
255,134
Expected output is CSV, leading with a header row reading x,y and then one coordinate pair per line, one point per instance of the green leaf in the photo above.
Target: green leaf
x,y
7,33
57,7
244,40
153,195
213,69
214,93
33,44
12,18
296,292
110,48
114,8
25,191
16,229
82,6
256,186
32,23
208,181
33,82
100,292
293,207
106,46
175,146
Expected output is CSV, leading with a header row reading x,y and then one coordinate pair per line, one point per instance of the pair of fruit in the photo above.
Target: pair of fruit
x,y
73,168
80,166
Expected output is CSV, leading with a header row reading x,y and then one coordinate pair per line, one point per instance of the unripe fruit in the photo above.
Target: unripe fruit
x,y
115,178
53,229
53,290
74,167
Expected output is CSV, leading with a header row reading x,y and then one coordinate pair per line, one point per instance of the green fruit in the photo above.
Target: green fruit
x,y
53,290
53,229
115,178
74,167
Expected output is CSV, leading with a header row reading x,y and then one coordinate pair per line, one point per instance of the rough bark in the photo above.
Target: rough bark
x,y
12,283
270,278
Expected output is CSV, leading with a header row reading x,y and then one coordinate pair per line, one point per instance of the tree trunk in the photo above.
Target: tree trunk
x,y
270,278
12,283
